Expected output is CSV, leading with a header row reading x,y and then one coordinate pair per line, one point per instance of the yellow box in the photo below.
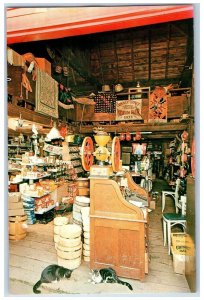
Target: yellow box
x,y
182,243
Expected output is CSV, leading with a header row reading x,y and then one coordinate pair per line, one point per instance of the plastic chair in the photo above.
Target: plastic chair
x,y
174,194
172,219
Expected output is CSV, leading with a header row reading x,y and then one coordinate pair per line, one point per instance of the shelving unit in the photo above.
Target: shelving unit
x,y
17,149
75,158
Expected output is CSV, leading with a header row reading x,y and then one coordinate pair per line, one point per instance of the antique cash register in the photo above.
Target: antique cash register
x,y
118,211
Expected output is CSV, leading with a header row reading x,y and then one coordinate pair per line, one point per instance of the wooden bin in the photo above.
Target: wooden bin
x,y
83,187
16,230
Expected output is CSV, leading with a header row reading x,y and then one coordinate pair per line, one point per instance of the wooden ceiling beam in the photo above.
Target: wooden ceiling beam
x,y
130,127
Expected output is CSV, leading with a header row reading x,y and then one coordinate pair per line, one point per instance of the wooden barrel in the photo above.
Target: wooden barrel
x,y
83,187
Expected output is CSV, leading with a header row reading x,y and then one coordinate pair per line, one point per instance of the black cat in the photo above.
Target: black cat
x,y
107,275
50,274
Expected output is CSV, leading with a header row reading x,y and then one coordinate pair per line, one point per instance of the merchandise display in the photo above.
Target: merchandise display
x,y
101,149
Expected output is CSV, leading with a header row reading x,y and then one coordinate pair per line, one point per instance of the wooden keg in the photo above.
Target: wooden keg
x,y
83,187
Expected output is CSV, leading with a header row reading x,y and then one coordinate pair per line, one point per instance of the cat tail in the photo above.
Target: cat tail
x,y
125,283
36,286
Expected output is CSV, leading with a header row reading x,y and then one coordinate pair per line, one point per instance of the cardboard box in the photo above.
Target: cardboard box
x,y
14,197
44,65
16,212
178,262
15,205
182,243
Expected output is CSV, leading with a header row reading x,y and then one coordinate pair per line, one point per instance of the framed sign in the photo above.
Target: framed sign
x,y
128,110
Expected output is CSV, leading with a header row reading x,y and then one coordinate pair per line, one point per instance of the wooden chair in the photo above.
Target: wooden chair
x,y
172,219
174,194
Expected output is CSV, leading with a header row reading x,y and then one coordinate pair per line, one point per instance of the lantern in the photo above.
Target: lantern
x,y
138,136
122,137
128,136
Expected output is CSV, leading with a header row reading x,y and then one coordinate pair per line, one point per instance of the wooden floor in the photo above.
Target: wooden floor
x,y
28,257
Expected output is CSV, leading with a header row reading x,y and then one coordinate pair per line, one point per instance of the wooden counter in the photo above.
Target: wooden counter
x,y
119,230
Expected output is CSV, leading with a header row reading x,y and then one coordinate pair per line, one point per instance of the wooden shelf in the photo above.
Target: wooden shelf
x,y
26,114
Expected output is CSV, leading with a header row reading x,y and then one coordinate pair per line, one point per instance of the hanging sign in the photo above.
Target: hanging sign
x,y
53,149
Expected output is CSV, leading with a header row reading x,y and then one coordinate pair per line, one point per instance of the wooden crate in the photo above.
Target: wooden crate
x,y
81,112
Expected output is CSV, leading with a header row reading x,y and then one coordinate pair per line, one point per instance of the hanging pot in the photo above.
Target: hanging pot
x,y
128,136
138,136
118,88
122,137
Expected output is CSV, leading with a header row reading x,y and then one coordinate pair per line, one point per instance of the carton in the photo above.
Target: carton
x,y
14,197
16,212
178,262
15,205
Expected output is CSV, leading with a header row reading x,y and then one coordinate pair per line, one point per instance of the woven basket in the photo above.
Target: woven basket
x,y
70,231
69,254
69,263
69,242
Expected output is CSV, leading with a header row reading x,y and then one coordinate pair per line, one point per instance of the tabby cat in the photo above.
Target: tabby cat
x,y
107,275
50,274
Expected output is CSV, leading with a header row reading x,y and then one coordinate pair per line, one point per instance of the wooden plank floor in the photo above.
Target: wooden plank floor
x,y
28,257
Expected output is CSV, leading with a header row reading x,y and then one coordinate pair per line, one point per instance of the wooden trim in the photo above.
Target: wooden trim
x,y
118,219
29,24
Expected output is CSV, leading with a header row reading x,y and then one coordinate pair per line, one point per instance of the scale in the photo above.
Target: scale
x,y
103,168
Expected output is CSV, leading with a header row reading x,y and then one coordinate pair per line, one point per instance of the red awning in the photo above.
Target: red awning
x,y
43,23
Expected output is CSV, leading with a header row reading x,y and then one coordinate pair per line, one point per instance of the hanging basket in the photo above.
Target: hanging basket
x,y
66,106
